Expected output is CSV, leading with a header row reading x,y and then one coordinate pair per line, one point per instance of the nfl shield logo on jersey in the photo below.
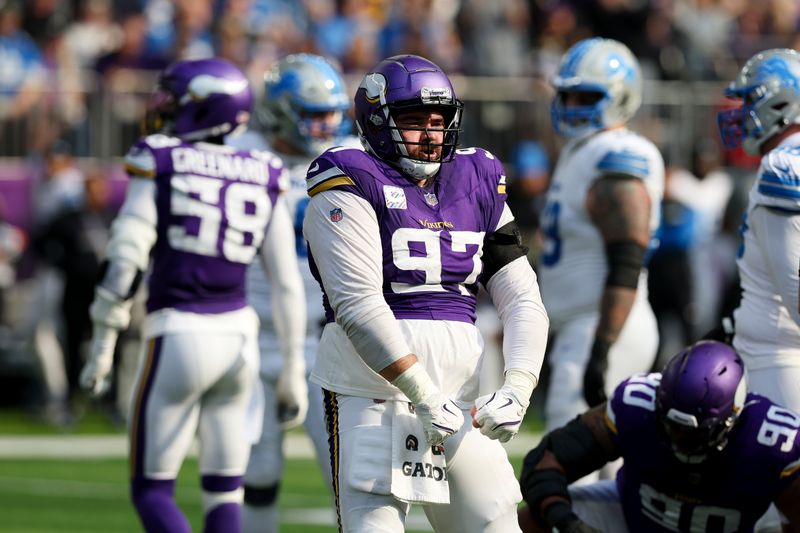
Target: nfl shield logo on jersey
x,y
431,200
336,214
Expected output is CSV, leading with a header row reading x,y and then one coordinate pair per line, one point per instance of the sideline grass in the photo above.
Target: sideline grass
x,y
87,496
91,496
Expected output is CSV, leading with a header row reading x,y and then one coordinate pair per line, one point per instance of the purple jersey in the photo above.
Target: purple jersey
x,y
432,237
729,491
213,204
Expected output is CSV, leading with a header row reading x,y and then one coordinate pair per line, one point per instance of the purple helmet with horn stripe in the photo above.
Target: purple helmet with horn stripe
x,y
199,99
397,84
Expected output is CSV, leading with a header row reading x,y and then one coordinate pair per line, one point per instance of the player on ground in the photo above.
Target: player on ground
x,y
197,211
700,454
400,236
302,115
601,210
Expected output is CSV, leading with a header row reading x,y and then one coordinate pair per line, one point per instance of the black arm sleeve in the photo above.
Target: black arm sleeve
x,y
500,248
625,259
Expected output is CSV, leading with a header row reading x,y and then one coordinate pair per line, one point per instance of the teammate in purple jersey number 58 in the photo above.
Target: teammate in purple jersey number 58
x,y
700,454
197,213
400,235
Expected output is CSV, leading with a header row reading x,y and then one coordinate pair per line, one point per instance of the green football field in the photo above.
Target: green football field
x,y
91,495
87,495
84,496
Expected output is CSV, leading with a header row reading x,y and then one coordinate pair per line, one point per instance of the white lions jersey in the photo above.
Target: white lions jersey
x,y
767,329
259,293
573,265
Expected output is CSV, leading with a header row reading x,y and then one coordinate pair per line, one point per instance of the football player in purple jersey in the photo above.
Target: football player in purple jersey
x,y
400,237
302,114
699,454
196,212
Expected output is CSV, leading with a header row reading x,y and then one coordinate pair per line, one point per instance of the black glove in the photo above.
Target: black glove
x,y
560,516
594,377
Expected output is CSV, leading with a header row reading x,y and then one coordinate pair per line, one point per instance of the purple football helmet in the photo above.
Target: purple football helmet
x,y
702,393
401,83
199,99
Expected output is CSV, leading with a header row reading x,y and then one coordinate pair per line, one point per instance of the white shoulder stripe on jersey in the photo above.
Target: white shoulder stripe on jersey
x,y
323,176
141,163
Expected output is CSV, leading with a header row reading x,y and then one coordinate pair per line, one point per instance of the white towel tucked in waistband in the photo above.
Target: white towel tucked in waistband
x,y
419,472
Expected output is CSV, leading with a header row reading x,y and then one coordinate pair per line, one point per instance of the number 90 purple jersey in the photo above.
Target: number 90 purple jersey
x,y
432,237
729,491
213,203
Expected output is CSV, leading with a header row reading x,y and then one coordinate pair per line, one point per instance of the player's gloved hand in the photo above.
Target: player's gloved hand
x,y
594,377
96,374
440,417
292,391
500,414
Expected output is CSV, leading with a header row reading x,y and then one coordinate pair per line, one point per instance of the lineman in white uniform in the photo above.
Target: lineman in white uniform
x,y
602,208
767,322
302,115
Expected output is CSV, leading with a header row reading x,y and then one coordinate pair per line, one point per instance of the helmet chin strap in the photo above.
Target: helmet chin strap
x,y
417,170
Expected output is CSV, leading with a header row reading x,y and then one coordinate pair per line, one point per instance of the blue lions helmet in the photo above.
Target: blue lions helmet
x,y
298,92
769,87
607,77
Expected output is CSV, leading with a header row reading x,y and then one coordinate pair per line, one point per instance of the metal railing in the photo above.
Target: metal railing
x,y
499,113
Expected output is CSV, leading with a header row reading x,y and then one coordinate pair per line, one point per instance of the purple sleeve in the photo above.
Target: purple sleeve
x,y
631,411
491,176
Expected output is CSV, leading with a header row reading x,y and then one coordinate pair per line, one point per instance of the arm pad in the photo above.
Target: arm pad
x,y
500,248
625,259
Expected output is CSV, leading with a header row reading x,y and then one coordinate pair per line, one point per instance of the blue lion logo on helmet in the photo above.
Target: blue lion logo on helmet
x,y
777,67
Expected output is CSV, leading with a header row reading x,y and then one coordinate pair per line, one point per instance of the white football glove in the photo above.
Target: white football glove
x,y
499,415
440,417
292,394
96,374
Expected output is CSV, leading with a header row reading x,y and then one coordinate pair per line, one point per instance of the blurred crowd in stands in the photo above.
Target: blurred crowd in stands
x,y
62,60
56,54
